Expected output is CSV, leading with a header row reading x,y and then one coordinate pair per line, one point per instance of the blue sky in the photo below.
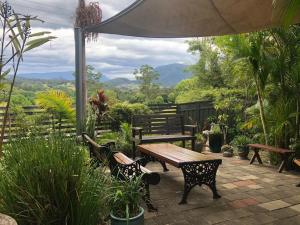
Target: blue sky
x,y
114,56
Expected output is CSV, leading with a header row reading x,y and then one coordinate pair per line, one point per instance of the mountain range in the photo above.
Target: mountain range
x,y
170,75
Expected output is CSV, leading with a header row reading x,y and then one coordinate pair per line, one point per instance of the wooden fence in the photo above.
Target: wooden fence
x,y
193,112
20,120
28,118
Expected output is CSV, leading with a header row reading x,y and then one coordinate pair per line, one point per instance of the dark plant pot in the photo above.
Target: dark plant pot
x,y
137,220
215,142
243,152
199,147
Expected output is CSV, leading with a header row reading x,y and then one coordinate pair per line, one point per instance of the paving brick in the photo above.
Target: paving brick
x,y
229,186
278,204
248,177
296,207
244,183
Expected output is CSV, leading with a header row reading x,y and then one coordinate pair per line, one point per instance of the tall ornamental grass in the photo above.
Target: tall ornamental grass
x,y
49,181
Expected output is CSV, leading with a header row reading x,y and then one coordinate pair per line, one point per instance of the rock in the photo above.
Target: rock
x,y
6,220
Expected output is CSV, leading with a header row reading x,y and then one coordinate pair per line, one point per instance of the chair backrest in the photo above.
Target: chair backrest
x,y
159,123
115,160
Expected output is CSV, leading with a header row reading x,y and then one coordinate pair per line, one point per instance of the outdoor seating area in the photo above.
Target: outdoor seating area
x,y
250,195
187,112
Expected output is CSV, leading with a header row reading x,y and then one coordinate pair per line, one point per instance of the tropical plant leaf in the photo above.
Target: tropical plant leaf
x,y
37,42
58,103
39,34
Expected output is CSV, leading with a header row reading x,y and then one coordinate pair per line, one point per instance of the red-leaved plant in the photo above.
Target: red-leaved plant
x,y
99,105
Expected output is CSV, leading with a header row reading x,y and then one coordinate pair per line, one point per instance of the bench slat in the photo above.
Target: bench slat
x,y
297,162
270,148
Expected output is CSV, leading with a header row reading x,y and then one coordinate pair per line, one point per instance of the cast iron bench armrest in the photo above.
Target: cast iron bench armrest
x,y
149,176
192,128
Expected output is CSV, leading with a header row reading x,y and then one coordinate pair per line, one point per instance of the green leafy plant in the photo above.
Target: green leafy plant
x,y
125,197
123,112
49,181
241,140
16,39
58,104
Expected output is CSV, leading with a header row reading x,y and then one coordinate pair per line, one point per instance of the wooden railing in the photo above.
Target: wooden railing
x,y
193,112
33,117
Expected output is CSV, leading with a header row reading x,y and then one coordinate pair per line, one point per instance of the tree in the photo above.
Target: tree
x,y
208,68
16,39
251,51
93,79
287,10
147,77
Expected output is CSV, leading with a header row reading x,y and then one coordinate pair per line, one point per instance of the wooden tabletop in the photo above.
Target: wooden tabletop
x,y
173,154
270,148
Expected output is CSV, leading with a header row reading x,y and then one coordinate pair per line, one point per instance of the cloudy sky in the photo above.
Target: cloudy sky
x,y
114,56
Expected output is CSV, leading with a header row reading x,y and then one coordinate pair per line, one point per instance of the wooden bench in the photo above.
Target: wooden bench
x,y
197,168
122,167
297,162
161,128
284,154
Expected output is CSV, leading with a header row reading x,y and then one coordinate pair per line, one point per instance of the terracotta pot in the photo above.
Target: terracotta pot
x,y
243,152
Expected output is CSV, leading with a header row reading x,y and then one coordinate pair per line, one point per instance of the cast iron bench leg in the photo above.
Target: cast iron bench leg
x,y
147,199
198,174
256,155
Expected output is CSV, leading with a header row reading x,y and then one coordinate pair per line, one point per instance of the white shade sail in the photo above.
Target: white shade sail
x,y
191,18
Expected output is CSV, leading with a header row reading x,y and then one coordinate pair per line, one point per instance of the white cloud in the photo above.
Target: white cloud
x,y
114,56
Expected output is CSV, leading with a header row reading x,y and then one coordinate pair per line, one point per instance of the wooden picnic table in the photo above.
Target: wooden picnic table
x,y
284,154
197,168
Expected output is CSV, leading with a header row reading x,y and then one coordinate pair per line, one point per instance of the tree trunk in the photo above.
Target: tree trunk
x,y
262,112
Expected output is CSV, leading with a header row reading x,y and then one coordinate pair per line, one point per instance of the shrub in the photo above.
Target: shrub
x,y
122,138
123,112
49,181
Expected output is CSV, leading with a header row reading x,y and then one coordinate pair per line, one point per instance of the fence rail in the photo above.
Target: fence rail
x,y
194,113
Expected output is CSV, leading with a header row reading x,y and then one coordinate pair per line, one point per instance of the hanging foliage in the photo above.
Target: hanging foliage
x,y
87,15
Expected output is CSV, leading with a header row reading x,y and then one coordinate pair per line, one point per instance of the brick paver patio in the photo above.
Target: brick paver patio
x,y
251,194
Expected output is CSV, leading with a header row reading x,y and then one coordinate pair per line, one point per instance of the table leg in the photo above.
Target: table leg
x,y
284,158
147,158
197,173
256,156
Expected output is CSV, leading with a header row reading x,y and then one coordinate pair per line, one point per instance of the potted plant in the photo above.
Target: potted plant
x,y
241,142
215,138
125,202
200,142
227,150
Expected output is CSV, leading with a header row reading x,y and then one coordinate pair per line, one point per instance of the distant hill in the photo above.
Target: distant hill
x,y
172,74
121,82
68,76
63,76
